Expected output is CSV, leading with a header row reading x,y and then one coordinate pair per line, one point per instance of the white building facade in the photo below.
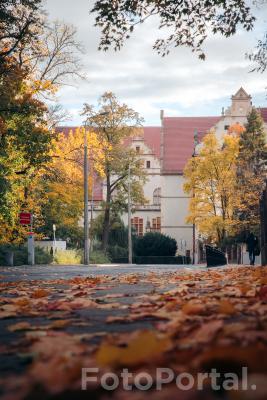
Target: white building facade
x,y
165,149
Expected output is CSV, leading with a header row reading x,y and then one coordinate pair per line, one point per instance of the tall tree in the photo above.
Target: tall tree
x,y
211,181
63,183
251,165
35,59
189,21
20,24
115,125
25,143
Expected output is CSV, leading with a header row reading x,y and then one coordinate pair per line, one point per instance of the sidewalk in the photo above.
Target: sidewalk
x,y
187,319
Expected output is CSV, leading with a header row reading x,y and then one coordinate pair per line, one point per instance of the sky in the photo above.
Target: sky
x,y
179,83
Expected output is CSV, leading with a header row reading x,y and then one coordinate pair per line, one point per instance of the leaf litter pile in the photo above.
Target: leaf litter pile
x,y
189,322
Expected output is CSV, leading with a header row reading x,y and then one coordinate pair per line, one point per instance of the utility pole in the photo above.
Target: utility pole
x,y
54,240
85,184
86,216
196,142
130,247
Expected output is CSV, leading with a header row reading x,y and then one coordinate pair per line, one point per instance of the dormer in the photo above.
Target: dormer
x,y
241,104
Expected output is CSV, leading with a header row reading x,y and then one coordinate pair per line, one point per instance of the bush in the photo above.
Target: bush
x,y
65,257
117,252
42,256
155,244
98,257
75,257
21,255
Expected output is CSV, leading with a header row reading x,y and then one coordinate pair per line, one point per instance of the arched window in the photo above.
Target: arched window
x,y
157,197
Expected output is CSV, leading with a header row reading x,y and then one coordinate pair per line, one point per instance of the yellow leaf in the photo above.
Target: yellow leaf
x,y
143,347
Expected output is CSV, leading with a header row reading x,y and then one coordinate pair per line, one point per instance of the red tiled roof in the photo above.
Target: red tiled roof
x,y
65,129
152,139
151,136
179,139
263,112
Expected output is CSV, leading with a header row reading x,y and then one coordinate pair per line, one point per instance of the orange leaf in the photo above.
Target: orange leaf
x,y
37,294
192,308
225,307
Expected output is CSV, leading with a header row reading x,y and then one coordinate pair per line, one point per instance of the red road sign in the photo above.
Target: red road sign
x,y
25,218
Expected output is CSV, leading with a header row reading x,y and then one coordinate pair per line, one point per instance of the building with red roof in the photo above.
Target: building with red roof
x,y
165,150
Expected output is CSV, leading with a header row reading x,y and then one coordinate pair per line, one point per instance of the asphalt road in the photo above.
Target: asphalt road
x,y
47,272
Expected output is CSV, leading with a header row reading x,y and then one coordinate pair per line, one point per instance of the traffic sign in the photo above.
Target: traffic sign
x,y
25,218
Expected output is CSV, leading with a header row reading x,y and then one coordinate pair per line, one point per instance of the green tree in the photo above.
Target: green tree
x,y
34,60
115,125
251,164
24,149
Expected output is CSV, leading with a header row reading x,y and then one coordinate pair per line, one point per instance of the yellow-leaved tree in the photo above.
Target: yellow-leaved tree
x,y
63,187
211,180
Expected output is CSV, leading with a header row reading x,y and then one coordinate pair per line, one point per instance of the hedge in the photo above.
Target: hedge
x,y
21,255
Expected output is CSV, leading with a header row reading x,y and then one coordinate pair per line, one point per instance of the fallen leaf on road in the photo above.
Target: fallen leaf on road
x,y
145,346
20,326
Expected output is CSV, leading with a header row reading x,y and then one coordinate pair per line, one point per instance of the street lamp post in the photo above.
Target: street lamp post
x,y
130,246
86,188
196,142
86,219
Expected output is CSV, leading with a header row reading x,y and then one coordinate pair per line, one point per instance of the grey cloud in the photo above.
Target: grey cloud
x,y
146,81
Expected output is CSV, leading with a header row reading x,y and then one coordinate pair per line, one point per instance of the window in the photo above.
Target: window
x,y
156,224
226,127
138,225
148,164
137,149
157,197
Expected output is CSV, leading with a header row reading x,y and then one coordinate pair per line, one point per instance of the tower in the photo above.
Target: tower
x,y
241,104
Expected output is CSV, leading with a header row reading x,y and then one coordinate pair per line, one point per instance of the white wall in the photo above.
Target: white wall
x,y
174,211
153,173
227,120
48,244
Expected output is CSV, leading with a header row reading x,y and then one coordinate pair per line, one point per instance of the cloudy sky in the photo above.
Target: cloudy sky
x,y
180,84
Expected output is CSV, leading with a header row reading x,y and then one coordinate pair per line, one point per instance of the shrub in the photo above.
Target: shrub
x,y
42,256
65,257
75,257
98,257
117,252
155,244
21,255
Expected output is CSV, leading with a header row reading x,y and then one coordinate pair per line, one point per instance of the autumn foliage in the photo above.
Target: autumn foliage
x,y
226,179
189,321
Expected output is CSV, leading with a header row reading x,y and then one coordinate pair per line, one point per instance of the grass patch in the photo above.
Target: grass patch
x,y
75,257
